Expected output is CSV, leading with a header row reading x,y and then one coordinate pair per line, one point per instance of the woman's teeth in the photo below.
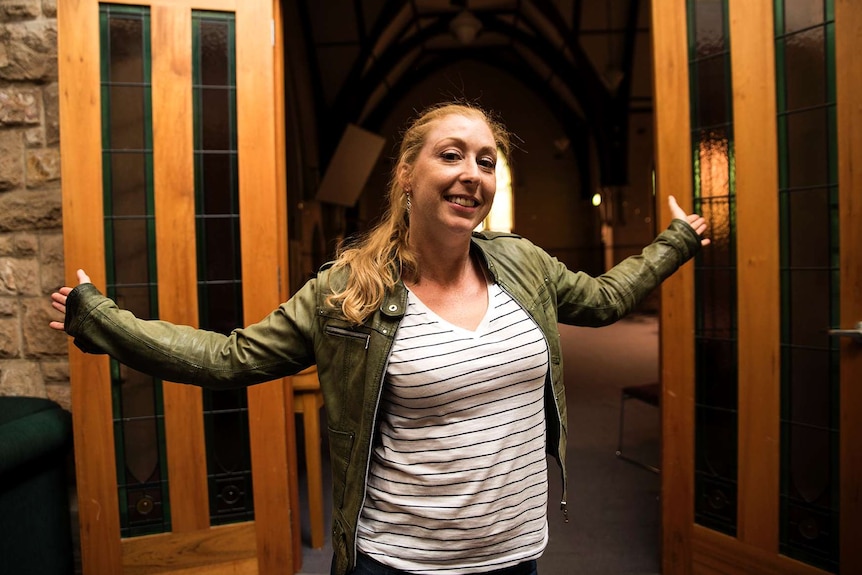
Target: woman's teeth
x,y
466,202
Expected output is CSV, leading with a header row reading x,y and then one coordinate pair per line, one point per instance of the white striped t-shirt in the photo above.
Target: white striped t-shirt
x,y
458,477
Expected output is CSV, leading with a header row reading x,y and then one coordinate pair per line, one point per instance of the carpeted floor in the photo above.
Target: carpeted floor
x,y
614,518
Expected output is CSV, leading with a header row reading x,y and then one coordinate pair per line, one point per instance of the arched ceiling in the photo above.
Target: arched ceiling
x,y
362,56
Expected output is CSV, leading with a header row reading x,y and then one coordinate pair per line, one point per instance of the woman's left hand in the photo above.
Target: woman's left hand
x,y
696,221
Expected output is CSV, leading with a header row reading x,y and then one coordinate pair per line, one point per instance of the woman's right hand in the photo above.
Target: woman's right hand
x,y
58,299
696,221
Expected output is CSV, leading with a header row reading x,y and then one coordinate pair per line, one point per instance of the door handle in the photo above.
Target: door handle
x,y
854,334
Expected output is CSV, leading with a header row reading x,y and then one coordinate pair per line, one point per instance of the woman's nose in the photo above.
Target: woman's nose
x,y
470,173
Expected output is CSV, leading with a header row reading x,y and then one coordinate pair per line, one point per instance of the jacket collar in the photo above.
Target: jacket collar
x,y
394,303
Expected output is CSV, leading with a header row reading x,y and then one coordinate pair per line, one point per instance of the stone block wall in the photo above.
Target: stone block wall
x,y
33,357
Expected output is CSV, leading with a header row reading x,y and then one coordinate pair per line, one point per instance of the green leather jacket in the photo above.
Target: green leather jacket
x,y
351,359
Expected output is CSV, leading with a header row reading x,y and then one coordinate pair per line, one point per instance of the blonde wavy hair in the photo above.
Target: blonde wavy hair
x,y
377,260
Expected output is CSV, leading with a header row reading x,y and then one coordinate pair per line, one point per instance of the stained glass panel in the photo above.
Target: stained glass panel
x,y
715,269
805,79
219,263
131,261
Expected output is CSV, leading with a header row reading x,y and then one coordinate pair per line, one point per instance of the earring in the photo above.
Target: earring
x,y
408,201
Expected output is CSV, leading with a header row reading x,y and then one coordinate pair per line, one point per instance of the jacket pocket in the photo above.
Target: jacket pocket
x,y
340,448
359,336
340,555
344,351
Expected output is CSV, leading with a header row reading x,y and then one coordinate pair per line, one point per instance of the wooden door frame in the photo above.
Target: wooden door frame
x,y
265,545
848,39
676,316
687,547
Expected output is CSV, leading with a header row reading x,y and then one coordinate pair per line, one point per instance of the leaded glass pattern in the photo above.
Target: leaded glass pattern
x,y
808,200
130,261
218,255
716,374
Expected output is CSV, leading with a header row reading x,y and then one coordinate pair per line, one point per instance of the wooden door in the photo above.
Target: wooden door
x,y
761,408
162,102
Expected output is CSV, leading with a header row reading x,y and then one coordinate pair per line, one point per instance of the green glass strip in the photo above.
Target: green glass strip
x,y
231,64
832,158
159,399
120,10
783,167
104,89
780,87
150,179
831,73
779,18
119,442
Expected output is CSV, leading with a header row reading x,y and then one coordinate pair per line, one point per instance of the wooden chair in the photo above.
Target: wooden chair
x,y
650,394
307,401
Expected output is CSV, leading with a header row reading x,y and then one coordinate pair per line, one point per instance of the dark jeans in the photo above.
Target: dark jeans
x,y
365,565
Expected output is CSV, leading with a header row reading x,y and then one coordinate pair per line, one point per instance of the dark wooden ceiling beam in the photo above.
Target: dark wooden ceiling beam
x,y
356,92
348,102
606,117
611,132
577,11
313,65
629,44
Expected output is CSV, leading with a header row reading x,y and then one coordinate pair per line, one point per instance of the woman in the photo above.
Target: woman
x,y
437,352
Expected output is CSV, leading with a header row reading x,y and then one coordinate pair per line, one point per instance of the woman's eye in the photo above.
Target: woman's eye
x,y
487,163
451,156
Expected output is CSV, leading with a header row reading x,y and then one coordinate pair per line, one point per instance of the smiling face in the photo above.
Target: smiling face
x,y
452,180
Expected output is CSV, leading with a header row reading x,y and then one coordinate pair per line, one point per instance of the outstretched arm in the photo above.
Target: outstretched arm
x,y
277,345
596,301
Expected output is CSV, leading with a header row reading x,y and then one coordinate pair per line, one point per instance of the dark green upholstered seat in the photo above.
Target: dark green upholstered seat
x,y
35,526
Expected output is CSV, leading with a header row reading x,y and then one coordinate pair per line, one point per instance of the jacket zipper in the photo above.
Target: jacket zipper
x,y
563,504
370,448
